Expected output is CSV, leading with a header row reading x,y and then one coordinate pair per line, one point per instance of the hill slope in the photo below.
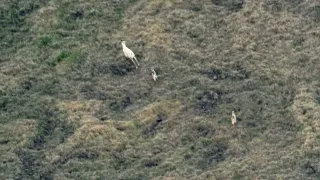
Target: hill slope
x,y
73,107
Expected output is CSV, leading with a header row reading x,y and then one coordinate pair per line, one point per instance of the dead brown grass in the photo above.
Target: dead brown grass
x,y
19,132
45,18
306,111
152,32
91,133
14,136
79,111
165,108
277,49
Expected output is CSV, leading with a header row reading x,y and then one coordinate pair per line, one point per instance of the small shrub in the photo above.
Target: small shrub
x,y
154,126
63,55
237,176
121,104
77,14
208,101
31,166
202,130
45,40
273,6
50,121
237,73
297,42
150,163
43,85
137,124
121,161
186,139
231,5
28,82
318,97
315,13
240,72
309,168
213,155
121,70
216,74
66,56
206,142
82,153
28,161
196,8
29,8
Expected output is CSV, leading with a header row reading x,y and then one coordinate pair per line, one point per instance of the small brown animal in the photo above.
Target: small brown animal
x,y
233,118
154,74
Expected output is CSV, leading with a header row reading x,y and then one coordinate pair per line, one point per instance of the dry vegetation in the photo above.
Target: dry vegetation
x,y
73,107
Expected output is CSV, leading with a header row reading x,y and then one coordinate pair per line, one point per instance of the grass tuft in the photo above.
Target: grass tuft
x,y
45,40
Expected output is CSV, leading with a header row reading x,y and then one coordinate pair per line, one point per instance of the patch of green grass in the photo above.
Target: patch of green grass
x,y
238,176
316,13
137,124
298,42
206,142
45,40
231,5
70,57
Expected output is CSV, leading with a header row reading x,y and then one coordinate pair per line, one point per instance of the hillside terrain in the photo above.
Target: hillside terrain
x,y
73,107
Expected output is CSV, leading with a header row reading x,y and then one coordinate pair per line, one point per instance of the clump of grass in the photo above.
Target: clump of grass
x,y
137,124
62,56
274,6
208,101
317,96
316,13
95,134
70,57
164,108
213,155
231,5
45,40
120,104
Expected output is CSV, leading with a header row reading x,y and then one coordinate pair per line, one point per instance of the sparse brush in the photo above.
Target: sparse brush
x,y
73,107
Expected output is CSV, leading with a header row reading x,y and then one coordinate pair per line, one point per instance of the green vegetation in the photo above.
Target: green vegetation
x,y
45,40
73,107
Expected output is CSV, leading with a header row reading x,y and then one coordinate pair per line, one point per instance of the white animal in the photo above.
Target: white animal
x,y
129,54
154,74
233,118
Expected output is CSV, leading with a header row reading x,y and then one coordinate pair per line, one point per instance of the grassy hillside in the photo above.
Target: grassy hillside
x,y
73,107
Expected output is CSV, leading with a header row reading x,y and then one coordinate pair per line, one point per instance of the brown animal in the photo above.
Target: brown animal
x,y
154,74
233,118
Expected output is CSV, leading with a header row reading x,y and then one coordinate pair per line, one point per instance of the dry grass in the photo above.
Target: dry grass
x,y
306,111
79,111
14,136
152,32
45,18
95,117
164,108
92,133
18,132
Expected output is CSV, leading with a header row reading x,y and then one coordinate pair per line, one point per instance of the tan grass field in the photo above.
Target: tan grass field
x,y
73,107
